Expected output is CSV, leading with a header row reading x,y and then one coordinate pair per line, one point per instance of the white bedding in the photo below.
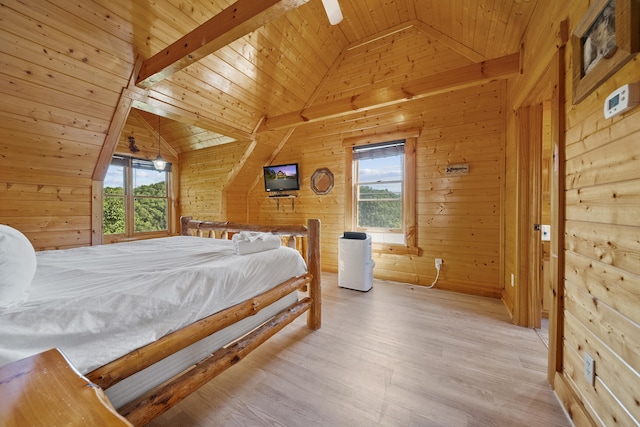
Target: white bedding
x,y
101,302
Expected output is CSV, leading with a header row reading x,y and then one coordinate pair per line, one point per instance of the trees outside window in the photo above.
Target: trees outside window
x,y
113,210
135,197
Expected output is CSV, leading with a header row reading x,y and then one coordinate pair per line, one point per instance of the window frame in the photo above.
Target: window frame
x,y
409,188
127,162
357,185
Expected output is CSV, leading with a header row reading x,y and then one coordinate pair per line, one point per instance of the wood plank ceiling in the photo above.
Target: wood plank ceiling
x,y
276,69
271,71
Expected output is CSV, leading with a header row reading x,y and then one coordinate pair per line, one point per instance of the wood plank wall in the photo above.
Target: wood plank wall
x,y
146,139
53,211
602,267
458,217
260,152
603,254
203,175
58,91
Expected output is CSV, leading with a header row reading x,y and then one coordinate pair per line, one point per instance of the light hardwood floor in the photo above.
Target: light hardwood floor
x,y
398,355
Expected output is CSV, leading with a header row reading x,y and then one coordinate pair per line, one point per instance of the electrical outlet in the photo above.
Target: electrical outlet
x,y
438,263
589,369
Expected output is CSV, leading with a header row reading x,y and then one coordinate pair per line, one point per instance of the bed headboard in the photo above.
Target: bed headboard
x,y
188,225
224,230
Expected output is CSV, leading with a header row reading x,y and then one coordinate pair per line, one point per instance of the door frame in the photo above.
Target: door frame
x,y
527,309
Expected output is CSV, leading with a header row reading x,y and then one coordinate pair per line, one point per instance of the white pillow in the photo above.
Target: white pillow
x,y
17,266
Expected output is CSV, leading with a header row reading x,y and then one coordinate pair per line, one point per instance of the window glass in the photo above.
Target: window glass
x,y
148,181
113,218
150,214
379,193
378,188
150,201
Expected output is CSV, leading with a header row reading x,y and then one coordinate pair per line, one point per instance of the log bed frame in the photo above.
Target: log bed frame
x,y
143,409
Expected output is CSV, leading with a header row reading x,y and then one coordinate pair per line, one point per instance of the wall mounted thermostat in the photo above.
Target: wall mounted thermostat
x,y
622,99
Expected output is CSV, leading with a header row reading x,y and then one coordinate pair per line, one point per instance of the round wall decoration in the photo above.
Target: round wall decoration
x,y
322,181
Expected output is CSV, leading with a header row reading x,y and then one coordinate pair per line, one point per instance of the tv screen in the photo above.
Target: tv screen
x,y
281,177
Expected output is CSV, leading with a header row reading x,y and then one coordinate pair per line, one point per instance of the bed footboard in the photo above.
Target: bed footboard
x,y
142,410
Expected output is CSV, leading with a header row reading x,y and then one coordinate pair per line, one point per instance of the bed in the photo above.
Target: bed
x,y
188,308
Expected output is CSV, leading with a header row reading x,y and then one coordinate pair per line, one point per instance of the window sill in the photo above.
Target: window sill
x,y
380,248
118,238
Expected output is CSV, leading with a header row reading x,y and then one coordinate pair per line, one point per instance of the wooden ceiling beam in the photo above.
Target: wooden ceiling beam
x,y
459,78
234,22
118,120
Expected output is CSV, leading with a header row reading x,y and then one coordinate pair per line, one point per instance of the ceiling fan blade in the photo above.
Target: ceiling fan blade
x,y
332,7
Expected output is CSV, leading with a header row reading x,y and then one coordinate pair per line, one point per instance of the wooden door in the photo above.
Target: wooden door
x,y
528,300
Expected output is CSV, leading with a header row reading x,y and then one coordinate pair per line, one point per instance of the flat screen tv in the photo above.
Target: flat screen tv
x,y
279,178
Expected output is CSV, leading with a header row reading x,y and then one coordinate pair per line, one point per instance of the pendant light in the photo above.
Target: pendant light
x,y
332,7
159,163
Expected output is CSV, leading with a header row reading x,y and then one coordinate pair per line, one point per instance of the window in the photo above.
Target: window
x,y
135,197
378,181
381,190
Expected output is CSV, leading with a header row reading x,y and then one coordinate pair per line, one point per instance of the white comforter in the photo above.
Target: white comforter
x,y
99,303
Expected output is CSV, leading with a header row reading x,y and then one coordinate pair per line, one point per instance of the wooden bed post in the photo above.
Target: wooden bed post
x,y
184,225
314,317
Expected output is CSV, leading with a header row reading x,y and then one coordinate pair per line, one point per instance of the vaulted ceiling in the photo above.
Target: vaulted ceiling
x,y
77,58
278,68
